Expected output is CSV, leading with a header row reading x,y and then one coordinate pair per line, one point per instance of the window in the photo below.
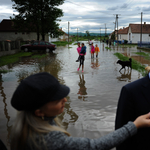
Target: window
x,y
47,44
42,43
35,43
120,37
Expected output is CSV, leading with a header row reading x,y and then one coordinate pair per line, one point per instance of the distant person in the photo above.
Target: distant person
x,y
82,58
134,101
39,99
79,50
90,42
92,51
107,41
97,50
123,42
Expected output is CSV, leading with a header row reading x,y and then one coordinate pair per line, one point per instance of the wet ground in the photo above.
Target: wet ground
x,y
92,102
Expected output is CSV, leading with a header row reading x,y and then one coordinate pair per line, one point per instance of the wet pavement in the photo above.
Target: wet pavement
x,y
91,107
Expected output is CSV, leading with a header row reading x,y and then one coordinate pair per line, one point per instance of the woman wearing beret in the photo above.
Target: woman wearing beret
x,y
39,99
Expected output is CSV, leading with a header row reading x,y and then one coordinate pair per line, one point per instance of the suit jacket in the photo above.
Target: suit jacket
x,y
134,101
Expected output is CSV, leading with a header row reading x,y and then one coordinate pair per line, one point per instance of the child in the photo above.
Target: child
x,y
78,50
82,53
97,50
92,51
39,99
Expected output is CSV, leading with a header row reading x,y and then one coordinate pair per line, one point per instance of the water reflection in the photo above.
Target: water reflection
x,y
126,76
68,116
82,88
95,64
5,110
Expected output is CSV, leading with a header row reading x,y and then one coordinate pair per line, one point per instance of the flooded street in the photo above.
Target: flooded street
x,y
91,107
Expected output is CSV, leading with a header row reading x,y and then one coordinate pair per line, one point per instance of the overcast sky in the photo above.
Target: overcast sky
x,y
92,15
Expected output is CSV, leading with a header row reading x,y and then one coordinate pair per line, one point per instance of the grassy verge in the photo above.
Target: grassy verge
x,y
146,56
135,64
108,48
9,59
5,60
62,43
38,56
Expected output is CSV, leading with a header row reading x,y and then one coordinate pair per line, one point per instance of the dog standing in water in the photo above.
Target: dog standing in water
x,y
125,63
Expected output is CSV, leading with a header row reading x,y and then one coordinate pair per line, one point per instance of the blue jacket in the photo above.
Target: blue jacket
x,y
83,50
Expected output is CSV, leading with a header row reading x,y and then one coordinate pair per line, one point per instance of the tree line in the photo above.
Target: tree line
x,y
40,16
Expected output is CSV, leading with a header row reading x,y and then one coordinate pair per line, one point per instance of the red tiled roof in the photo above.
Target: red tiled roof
x,y
123,31
7,25
136,28
63,31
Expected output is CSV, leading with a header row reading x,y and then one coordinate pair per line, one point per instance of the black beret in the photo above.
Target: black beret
x,y
37,90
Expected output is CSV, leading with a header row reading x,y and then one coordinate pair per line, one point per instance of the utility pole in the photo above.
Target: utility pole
x,y
105,29
115,31
141,30
116,24
100,34
68,32
77,34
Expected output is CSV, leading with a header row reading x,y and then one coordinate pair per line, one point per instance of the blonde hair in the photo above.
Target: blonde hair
x,y
26,128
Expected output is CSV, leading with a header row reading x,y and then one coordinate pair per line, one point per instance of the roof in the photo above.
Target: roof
x,y
63,31
123,31
7,25
136,28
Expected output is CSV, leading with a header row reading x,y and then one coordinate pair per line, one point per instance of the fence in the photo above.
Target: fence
x,y
9,45
144,44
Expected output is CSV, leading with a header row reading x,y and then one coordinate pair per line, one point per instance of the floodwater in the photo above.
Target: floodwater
x,y
91,107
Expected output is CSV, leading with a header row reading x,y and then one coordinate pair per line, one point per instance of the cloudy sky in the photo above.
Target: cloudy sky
x,y
92,15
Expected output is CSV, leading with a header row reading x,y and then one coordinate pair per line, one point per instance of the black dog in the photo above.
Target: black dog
x,y
125,63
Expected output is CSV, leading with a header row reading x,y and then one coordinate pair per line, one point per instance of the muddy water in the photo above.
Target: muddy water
x,y
92,102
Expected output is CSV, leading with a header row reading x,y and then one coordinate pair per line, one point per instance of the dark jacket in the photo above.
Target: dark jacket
x,y
83,50
134,101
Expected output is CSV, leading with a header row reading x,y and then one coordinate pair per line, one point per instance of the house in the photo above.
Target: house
x,y
110,35
8,32
63,37
135,32
132,33
123,34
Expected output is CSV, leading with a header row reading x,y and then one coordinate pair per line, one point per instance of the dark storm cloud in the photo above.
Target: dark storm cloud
x,y
146,8
124,6
6,2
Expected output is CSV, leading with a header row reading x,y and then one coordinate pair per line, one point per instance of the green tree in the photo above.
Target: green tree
x,y
38,15
87,33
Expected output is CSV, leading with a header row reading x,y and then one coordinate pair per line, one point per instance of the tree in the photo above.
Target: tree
x,y
87,33
38,15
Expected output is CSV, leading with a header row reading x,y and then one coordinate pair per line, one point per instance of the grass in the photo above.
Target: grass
x,y
147,56
70,47
9,59
108,48
38,56
135,64
62,43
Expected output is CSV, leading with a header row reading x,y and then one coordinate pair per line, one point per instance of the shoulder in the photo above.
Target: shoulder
x,y
136,85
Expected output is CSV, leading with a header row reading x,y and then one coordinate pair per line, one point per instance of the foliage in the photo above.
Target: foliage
x,y
135,64
87,33
113,36
38,15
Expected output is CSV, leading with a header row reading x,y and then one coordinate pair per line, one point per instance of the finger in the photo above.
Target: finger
x,y
147,116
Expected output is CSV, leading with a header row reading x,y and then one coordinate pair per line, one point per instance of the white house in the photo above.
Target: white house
x,y
123,34
8,32
135,32
132,33
63,37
